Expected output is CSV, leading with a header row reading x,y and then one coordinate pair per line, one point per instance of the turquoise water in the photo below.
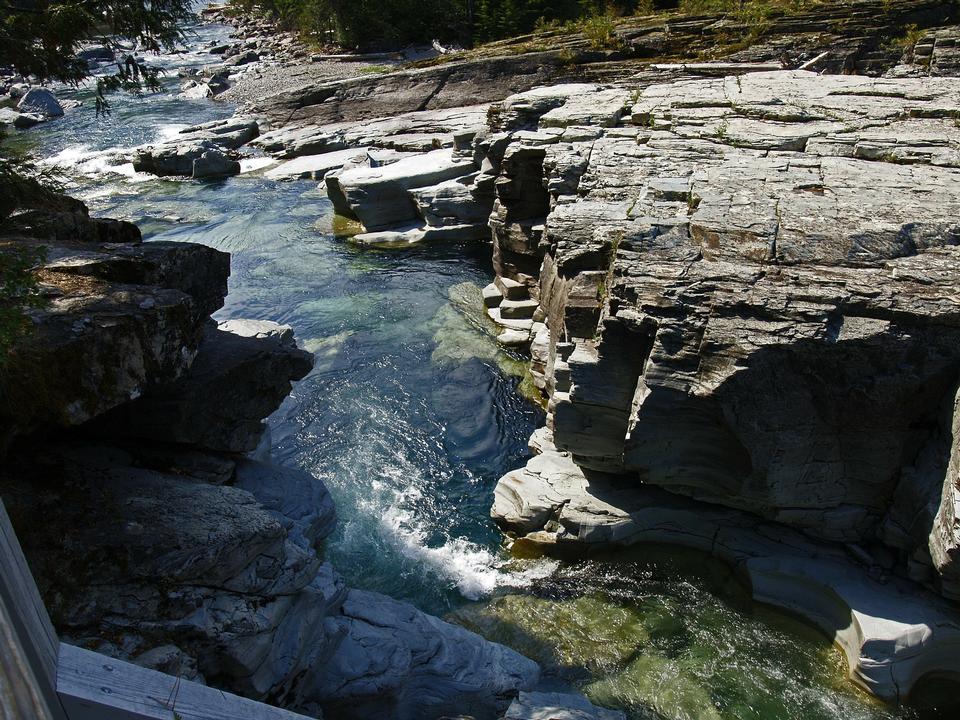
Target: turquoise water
x,y
410,416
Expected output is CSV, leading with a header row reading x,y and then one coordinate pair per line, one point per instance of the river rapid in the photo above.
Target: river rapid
x,y
410,416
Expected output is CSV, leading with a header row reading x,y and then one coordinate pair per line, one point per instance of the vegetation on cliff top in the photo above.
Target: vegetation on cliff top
x,y
383,23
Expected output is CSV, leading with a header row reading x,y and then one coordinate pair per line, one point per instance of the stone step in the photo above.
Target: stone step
x,y
518,309
492,296
511,289
510,323
514,338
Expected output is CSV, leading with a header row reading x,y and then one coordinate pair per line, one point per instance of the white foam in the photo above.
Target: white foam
x,y
474,570
81,159
169,132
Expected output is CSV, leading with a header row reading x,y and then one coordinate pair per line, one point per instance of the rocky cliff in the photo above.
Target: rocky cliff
x,y
739,296
154,534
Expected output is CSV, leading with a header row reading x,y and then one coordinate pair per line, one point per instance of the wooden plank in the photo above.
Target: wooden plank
x,y
20,694
27,615
96,687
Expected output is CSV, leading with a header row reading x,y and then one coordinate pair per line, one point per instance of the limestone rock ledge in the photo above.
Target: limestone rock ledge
x,y
749,286
891,632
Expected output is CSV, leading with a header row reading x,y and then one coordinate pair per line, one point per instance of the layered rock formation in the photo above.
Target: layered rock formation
x,y
749,291
129,417
739,297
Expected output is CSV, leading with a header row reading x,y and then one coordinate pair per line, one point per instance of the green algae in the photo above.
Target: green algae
x,y
585,633
671,635
463,331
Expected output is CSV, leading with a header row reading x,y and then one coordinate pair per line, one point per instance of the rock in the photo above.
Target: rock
x,y
296,499
557,706
197,92
229,134
171,660
18,90
204,157
245,58
315,167
225,581
200,151
514,338
40,102
214,163
114,298
380,197
242,372
714,200
389,138
453,202
511,289
710,286
96,54
27,120
888,630
8,116
492,296
518,309
396,656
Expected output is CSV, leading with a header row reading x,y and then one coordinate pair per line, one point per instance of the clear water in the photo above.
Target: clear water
x,y
410,416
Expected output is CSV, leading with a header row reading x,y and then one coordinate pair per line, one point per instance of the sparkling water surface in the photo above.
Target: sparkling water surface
x,y
410,416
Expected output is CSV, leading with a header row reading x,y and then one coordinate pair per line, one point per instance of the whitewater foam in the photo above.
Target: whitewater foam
x,y
474,570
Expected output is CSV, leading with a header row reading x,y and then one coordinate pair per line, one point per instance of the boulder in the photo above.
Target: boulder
x,y
22,121
392,655
215,163
40,102
381,198
205,156
242,372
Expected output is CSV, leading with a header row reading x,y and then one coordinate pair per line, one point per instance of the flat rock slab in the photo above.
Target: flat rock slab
x,y
380,197
315,167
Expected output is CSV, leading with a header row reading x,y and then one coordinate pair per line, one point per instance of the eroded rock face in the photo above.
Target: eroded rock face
x,y
242,371
758,291
748,296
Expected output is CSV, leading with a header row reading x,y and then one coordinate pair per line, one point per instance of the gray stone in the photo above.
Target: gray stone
x,y
40,102
380,197
214,163
557,706
242,372
393,655
492,295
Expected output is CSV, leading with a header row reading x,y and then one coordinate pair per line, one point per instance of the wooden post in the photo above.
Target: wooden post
x,y
28,642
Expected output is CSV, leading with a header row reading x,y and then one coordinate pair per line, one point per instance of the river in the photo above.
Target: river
x,y
410,416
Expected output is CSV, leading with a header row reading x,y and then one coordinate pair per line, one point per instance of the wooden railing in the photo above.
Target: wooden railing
x,y
42,678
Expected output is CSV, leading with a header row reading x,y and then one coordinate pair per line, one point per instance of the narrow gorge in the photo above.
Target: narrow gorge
x,y
539,380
